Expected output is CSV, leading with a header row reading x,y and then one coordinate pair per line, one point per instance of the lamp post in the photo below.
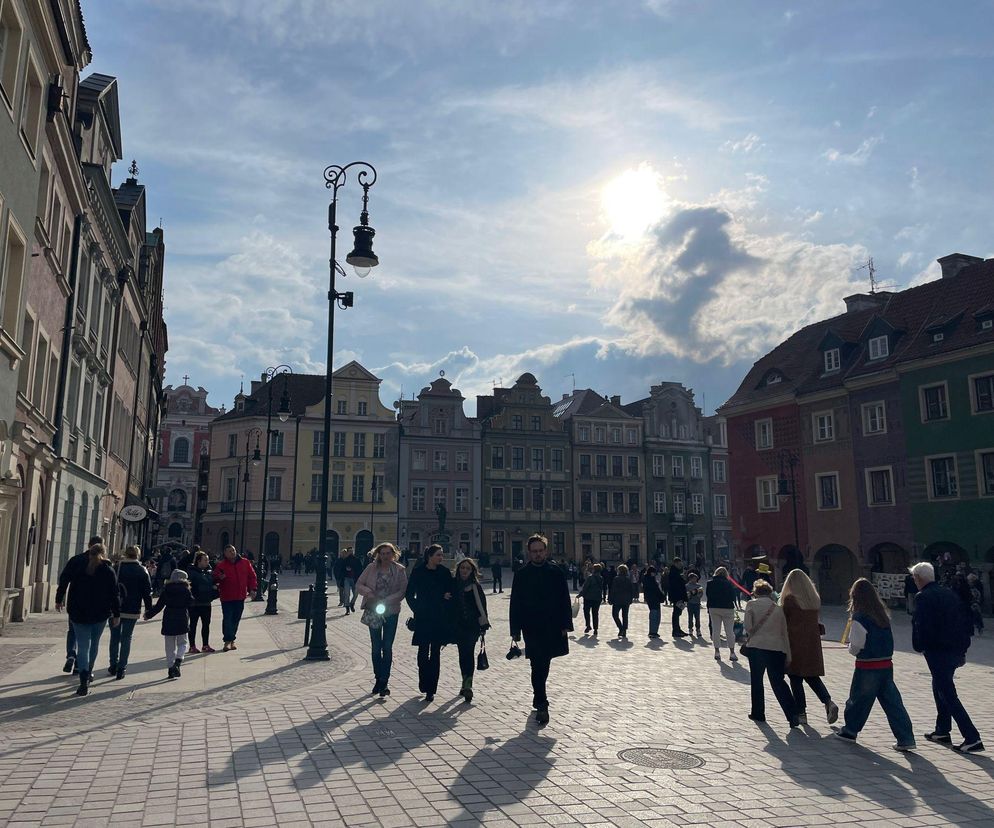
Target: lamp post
x,y
255,460
362,259
284,415
790,459
238,478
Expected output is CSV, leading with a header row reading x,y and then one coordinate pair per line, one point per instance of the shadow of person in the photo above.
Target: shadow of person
x,y
734,672
587,641
655,644
620,644
683,644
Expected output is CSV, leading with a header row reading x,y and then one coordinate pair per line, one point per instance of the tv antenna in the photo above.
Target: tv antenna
x,y
872,271
573,375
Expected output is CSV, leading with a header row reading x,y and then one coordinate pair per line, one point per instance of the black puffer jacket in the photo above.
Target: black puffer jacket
x,y
133,577
92,598
202,587
426,590
176,599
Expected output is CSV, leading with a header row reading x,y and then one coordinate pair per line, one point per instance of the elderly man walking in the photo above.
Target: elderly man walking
x,y
941,632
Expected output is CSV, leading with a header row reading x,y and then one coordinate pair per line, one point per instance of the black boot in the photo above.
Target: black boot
x,y
84,683
120,672
176,665
70,665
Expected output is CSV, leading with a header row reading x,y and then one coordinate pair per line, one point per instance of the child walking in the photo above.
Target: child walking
x,y
872,642
176,598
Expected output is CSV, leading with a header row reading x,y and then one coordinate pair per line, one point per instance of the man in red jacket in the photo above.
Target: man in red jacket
x,y
235,579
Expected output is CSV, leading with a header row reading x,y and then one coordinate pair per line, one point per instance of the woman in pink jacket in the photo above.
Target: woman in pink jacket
x,y
235,579
382,585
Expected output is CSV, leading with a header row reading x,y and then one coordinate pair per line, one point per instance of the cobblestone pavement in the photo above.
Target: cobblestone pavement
x,y
304,744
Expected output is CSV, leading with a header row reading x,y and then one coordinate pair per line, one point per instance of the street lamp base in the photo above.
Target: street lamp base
x,y
317,655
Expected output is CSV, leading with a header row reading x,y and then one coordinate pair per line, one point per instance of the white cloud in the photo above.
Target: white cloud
x,y
749,143
858,157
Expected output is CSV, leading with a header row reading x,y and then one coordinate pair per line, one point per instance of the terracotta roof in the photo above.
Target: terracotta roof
x,y
304,390
954,302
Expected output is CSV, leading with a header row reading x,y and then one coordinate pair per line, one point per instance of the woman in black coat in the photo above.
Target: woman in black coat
x,y
469,620
176,598
428,591
622,594
677,591
653,600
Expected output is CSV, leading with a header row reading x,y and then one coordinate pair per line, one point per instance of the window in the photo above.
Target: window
x,y
557,459
181,450
362,408
358,487
634,503
617,465
615,435
586,502
379,446
440,425
558,544
696,467
358,445
584,465
766,493
440,460
517,498
874,418
538,459
440,496
517,422
986,324
880,486
942,477
983,394
659,503
828,490
618,502
599,435
934,404
497,498
985,472
938,337
517,458
315,488
231,488
558,500
659,465
879,347
720,505
679,501
677,466
497,541
600,467
538,498
462,461
536,423
338,446
418,495
832,360
764,434
275,489
31,108
11,34
697,504
632,436
633,465
496,457
824,423
718,471
276,443
232,445
462,499
342,407
379,487
584,434
602,501
774,379
419,459
337,488
11,277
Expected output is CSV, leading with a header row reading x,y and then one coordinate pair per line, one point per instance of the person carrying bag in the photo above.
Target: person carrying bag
x,y
470,623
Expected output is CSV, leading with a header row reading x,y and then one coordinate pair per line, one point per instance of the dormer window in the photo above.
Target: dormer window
x,y
879,347
986,324
938,337
833,360
773,379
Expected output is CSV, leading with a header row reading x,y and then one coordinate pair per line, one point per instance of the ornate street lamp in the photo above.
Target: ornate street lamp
x,y
284,413
362,258
255,458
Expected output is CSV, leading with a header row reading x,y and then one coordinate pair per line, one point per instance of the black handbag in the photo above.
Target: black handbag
x,y
482,662
409,623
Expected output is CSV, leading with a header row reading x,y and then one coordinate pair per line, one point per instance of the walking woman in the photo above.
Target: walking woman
x,y
93,598
721,609
592,593
768,651
204,593
382,586
653,600
176,598
621,597
136,589
428,592
801,604
872,642
469,620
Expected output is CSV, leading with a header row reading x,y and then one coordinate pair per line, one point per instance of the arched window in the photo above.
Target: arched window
x,y
177,501
181,450
175,530
66,538
81,536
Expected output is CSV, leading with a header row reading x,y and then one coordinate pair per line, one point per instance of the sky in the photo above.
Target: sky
x,y
606,193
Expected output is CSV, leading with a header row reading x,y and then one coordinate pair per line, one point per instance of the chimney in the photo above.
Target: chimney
x,y
616,400
866,301
953,263
565,396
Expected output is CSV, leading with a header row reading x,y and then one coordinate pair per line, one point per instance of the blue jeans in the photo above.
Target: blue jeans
x,y
655,615
71,641
87,644
231,614
869,686
348,591
120,642
947,704
382,643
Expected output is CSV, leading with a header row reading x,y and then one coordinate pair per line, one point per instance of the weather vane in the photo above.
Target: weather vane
x,y
133,169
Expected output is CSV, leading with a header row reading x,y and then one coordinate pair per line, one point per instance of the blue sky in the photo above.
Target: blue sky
x,y
627,191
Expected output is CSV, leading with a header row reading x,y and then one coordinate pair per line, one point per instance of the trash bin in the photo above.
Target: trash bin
x,y
304,598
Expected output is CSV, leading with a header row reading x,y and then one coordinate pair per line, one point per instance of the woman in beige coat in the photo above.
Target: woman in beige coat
x,y
801,604
768,652
382,585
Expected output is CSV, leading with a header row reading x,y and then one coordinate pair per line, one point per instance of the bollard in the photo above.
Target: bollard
x,y
274,587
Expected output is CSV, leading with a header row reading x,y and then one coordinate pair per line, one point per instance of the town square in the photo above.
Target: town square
x,y
520,413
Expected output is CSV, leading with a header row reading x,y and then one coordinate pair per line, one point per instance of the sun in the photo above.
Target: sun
x,y
634,201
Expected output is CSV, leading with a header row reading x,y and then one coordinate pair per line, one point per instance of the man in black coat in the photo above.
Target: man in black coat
x,y
497,571
940,630
541,611
676,587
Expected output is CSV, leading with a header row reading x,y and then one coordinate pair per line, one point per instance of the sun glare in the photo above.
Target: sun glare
x,y
634,201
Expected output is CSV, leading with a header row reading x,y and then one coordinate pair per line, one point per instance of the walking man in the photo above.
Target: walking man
x,y
235,578
497,571
541,611
70,665
676,588
941,632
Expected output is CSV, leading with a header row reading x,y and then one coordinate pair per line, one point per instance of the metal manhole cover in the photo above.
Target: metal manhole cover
x,y
660,758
